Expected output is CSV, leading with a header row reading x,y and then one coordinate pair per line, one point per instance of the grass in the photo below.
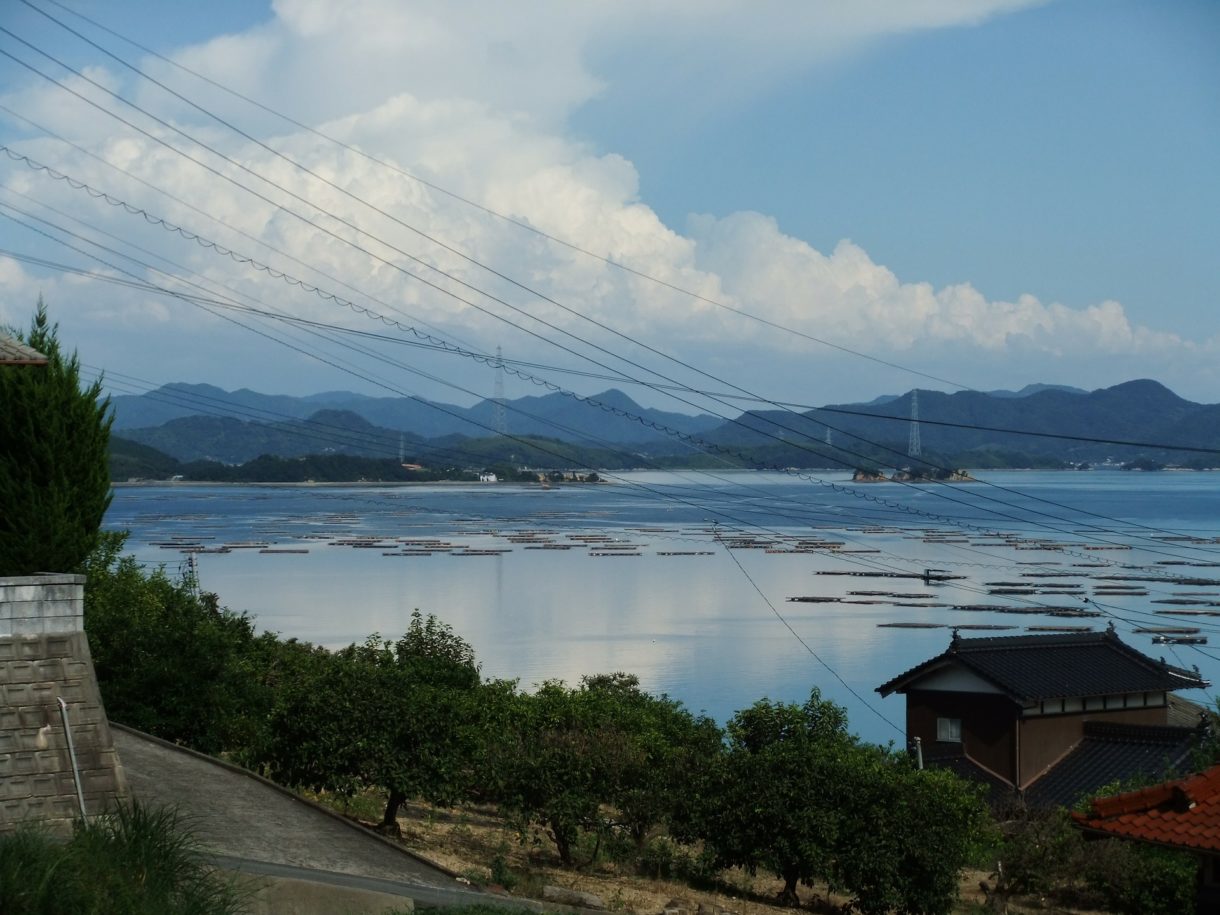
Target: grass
x,y
136,861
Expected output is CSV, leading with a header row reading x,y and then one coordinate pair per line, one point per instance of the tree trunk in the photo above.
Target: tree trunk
x,y
787,896
389,821
563,843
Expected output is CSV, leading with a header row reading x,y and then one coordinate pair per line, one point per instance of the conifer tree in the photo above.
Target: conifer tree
x,y
54,482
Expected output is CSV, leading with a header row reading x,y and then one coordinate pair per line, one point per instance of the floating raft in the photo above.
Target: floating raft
x,y
929,575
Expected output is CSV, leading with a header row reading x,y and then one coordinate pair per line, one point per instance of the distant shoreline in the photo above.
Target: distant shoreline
x,y
333,484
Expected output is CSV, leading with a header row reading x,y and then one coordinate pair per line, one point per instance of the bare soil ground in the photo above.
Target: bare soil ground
x,y
490,852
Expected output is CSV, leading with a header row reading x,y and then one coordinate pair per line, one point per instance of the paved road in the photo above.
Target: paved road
x,y
237,816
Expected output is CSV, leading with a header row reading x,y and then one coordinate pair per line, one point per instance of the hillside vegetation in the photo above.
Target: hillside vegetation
x,y
1042,426
587,777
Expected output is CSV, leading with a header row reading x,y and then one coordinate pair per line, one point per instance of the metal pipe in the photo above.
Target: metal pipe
x,y
80,792
919,752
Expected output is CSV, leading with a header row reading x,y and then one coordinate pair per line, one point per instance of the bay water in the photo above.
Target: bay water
x,y
686,579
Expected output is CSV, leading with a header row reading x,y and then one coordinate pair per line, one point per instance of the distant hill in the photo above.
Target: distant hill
x,y
235,441
552,415
1037,388
965,429
1141,411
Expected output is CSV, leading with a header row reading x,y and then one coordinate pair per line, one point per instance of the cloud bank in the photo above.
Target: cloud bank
x,y
475,98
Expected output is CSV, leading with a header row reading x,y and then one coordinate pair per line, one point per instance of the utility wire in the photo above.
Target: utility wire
x,y
455,279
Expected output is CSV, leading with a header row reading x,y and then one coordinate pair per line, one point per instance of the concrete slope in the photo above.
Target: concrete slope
x,y
237,815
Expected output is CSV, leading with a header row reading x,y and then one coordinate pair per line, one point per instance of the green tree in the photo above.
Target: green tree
x,y
402,716
171,661
779,797
54,482
557,763
905,834
670,752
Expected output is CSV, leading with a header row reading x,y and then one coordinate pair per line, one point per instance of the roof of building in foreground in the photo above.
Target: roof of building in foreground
x,y
1035,667
1179,814
14,352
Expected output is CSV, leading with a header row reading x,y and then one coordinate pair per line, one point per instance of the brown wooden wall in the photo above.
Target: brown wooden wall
x,y
1045,739
989,726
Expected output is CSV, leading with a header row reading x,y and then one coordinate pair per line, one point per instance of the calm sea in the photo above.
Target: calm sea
x,y
686,579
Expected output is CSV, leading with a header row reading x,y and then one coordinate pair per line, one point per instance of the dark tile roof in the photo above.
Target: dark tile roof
x,y
1114,753
1034,667
999,792
1180,814
14,352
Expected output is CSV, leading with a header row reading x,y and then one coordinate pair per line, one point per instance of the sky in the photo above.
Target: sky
x,y
808,202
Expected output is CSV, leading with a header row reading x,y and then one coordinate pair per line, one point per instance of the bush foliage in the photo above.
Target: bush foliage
x,y
136,861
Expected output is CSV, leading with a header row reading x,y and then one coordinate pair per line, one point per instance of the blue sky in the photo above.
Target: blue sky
x,y
994,193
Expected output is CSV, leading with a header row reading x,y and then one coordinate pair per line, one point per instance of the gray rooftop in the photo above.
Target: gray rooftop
x,y
14,352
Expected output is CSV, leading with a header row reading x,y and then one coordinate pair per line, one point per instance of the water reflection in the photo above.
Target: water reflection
x,y
688,624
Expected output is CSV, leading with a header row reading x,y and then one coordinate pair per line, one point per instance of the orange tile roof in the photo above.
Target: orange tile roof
x,y
1181,814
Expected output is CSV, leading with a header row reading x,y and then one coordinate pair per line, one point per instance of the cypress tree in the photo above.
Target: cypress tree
x,y
54,481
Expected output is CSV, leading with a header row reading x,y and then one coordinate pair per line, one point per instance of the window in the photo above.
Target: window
x,y
949,730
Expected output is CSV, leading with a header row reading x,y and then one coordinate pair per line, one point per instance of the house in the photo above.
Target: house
x,y
14,352
1182,814
1049,717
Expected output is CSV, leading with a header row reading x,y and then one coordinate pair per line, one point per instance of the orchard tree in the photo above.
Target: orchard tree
x,y
169,659
779,799
672,752
557,763
906,835
54,482
401,716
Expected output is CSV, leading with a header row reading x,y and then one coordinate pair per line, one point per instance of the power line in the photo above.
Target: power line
x,y
618,265
431,267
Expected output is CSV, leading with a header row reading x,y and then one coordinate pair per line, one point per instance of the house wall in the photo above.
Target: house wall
x,y
1044,740
44,657
988,727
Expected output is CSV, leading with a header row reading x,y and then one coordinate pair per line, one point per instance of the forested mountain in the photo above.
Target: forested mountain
x,y
971,422
552,415
1040,425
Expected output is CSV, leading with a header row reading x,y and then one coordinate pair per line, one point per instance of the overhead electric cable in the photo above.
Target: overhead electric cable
x,y
429,266
494,213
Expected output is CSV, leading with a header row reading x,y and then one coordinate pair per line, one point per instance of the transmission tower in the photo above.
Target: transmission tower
x,y
913,441
501,420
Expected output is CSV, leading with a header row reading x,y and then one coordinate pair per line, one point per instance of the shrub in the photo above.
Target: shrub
x,y
136,861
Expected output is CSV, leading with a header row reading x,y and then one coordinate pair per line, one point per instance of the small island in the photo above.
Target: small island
x,y
913,475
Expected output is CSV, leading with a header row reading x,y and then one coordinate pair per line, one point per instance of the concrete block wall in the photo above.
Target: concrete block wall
x,y
44,656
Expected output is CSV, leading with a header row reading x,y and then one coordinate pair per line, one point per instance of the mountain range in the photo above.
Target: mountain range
x,y
1037,424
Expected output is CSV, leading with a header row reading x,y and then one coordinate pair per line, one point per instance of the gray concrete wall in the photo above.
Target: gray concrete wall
x,y
44,656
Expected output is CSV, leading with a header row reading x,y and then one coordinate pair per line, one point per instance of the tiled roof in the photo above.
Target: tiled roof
x,y
14,352
1034,667
1182,814
1111,753
999,792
